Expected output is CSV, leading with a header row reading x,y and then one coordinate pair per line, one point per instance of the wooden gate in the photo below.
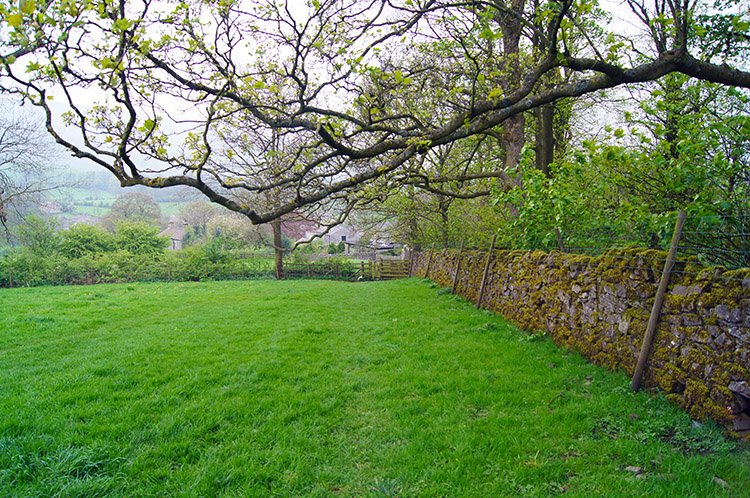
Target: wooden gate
x,y
390,269
364,270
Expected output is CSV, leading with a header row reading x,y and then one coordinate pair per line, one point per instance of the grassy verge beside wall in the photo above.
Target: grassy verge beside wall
x,y
601,306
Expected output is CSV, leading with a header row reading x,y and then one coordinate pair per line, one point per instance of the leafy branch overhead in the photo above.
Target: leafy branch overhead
x,y
324,104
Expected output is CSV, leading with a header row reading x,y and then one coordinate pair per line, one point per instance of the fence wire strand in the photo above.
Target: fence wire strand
x,y
710,247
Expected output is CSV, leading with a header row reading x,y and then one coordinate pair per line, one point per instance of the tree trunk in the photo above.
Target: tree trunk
x,y
513,141
513,137
545,138
278,253
443,205
675,99
414,233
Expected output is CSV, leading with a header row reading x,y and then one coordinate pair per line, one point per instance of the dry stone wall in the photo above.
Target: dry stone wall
x,y
601,306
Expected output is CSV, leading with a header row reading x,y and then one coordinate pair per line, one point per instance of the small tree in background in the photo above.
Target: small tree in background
x,y
132,207
197,215
37,235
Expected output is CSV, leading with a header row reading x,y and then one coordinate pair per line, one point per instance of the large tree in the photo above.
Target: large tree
x,y
150,86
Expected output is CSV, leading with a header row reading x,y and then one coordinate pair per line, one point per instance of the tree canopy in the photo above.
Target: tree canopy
x,y
359,91
133,207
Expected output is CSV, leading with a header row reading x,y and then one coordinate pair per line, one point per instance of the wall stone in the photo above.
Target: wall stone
x,y
601,305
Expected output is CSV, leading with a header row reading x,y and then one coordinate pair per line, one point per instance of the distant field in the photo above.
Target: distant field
x,y
102,200
169,208
101,207
92,210
87,194
324,389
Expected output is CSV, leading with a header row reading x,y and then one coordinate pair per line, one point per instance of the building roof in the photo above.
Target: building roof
x,y
79,219
173,231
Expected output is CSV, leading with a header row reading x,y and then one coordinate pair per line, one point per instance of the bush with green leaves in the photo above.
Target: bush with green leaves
x,y
38,235
216,250
139,238
85,239
90,255
558,211
339,248
315,247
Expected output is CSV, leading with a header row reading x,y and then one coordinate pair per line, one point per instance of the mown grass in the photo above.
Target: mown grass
x,y
312,388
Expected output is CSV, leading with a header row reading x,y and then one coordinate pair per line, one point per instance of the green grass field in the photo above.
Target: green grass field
x,y
102,207
313,388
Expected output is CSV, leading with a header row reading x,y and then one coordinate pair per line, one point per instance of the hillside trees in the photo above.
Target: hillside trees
x,y
197,215
172,75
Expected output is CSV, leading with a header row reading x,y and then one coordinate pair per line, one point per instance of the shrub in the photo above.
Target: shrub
x,y
38,235
139,238
217,249
85,239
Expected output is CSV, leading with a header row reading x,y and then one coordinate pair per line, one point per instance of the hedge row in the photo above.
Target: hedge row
x,y
24,269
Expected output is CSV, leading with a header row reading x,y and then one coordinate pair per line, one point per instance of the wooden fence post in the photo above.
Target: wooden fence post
x,y
658,301
429,263
458,268
486,271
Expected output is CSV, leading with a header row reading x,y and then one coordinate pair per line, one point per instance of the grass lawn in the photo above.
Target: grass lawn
x,y
319,388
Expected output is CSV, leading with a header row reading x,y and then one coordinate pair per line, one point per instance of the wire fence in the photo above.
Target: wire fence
x,y
711,240
721,241
710,247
